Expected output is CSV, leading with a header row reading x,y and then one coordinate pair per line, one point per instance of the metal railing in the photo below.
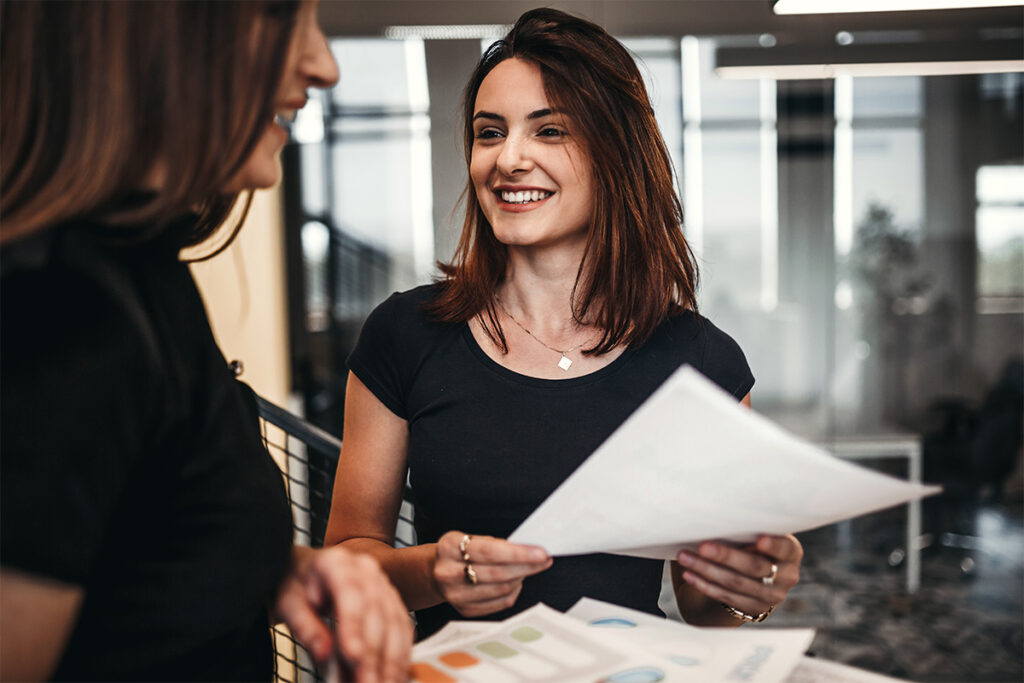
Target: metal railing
x,y
308,457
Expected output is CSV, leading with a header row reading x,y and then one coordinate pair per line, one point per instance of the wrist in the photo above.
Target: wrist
x,y
748,618
698,609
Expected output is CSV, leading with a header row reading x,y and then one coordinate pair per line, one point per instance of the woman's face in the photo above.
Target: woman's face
x,y
531,175
309,64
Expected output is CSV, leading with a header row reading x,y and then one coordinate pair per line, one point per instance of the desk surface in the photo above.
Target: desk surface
x,y
905,444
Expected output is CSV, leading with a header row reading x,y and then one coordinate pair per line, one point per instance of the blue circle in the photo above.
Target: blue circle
x,y
644,674
613,622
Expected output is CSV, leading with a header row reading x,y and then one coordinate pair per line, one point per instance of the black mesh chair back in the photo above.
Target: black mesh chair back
x,y
308,457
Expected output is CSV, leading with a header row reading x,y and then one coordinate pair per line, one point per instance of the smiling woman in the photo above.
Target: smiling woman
x,y
569,301
518,137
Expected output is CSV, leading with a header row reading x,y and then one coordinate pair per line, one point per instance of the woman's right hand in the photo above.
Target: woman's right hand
x,y
498,567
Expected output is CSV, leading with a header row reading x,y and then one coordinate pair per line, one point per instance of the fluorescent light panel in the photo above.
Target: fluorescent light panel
x,y
785,72
851,6
448,32
889,59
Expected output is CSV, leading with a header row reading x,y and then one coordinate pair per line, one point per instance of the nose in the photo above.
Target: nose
x,y
317,63
514,157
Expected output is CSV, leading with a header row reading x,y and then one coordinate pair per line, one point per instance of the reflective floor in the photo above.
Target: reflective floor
x,y
966,623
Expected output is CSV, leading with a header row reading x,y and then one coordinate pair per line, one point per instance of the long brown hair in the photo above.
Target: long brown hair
x,y
637,267
98,95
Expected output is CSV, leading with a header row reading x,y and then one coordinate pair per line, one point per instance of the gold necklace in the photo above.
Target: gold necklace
x,y
564,362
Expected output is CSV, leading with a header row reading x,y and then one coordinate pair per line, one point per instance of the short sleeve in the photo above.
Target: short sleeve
x,y
77,388
377,359
724,363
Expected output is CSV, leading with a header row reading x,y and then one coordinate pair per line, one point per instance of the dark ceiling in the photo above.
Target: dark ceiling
x,y
675,18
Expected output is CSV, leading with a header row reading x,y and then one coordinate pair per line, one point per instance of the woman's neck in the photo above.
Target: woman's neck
x,y
538,289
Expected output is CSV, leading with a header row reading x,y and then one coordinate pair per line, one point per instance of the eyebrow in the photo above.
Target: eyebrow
x,y
539,114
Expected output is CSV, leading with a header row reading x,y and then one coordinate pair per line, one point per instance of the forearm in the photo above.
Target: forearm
x,y
38,617
411,569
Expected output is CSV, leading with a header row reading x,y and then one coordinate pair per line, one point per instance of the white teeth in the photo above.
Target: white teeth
x,y
524,197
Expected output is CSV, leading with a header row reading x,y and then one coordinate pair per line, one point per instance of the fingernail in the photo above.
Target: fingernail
x,y
685,558
538,555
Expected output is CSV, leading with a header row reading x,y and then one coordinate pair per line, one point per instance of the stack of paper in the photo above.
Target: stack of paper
x,y
692,464
596,641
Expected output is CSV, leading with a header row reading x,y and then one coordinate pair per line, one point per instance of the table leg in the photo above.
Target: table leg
x,y
914,523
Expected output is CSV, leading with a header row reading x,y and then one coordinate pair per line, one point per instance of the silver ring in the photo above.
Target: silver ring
x,y
471,577
464,547
770,579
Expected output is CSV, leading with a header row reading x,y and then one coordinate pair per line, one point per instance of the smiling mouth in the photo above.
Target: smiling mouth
x,y
523,197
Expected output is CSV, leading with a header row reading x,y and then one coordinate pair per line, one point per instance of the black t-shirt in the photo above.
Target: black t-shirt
x,y
487,445
132,463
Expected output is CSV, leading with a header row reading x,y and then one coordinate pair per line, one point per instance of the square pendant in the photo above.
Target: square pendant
x,y
564,363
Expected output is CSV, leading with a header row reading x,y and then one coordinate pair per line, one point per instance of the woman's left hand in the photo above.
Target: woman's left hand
x,y
753,579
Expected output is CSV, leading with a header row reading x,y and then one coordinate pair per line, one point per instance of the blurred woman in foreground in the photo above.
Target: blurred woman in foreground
x,y
145,529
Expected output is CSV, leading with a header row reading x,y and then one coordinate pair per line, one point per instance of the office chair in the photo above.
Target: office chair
x,y
971,453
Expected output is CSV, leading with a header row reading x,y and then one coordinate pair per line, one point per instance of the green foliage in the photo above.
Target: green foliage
x,y
884,260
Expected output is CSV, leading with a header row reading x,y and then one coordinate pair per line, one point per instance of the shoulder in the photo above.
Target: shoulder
x,y
403,313
409,304
75,317
709,349
393,343
690,325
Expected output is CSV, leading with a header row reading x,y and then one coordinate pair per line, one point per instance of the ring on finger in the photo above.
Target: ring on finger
x,y
464,547
770,579
471,577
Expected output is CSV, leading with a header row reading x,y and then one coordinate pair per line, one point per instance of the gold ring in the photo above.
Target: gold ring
x,y
770,579
464,547
751,618
470,574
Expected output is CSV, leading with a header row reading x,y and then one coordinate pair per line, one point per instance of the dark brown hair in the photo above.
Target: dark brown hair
x,y
98,95
637,268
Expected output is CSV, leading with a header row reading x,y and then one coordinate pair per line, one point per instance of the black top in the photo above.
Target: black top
x,y
132,462
487,445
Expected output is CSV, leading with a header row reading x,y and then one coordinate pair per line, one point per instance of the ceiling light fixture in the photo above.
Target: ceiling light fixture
x,y
448,32
788,72
850,6
892,59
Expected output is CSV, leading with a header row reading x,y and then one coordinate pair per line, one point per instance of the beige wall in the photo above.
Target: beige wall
x,y
244,292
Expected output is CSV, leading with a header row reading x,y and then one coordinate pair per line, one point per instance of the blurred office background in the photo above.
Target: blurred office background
x,y
854,188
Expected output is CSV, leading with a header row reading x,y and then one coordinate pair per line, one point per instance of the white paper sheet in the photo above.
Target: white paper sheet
x,y
757,655
815,670
692,464
539,644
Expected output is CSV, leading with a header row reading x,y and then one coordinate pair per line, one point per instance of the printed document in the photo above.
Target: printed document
x,y
692,464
